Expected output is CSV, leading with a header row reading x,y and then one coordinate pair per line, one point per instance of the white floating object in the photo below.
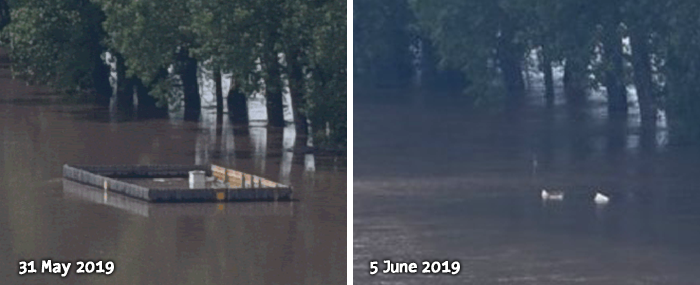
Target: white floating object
x,y
600,198
197,179
158,179
552,195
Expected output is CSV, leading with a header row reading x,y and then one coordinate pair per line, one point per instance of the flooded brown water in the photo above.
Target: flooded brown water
x,y
43,217
435,180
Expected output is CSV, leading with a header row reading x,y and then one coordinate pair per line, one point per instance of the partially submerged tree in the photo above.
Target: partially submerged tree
x,y
481,38
382,36
4,13
155,42
229,37
57,42
327,98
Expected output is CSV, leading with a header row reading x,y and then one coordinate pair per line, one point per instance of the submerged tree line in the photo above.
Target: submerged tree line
x,y
263,46
616,44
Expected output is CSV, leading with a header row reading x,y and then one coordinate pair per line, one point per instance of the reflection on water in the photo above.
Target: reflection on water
x,y
435,182
87,193
288,139
634,134
206,140
309,162
215,139
293,243
258,138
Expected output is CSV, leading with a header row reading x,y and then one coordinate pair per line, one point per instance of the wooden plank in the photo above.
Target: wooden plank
x,y
248,183
235,178
256,181
219,172
267,183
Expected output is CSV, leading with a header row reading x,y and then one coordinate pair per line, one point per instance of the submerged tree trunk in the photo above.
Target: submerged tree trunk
x,y
219,93
100,81
125,87
4,14
188,74
237,105
147,105
509,59
614,69
513,75
275,108
298,105
548,79
296,88
575,81
641,62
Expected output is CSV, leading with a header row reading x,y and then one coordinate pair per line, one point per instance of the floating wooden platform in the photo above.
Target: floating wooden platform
x,y
82,192
168,183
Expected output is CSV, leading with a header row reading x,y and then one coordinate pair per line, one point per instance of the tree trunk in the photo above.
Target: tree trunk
x,y
575,81
188,74
548,79
147,105
125,87
509,61
219,93
4,14
296,88
614,72
275,108
642,75
100,79
237,105
509,57
513,75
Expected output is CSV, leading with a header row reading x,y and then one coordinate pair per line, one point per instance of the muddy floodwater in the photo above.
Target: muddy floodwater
x,y
437,181
43,217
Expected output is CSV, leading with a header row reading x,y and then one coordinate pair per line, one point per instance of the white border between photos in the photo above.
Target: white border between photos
x,y
349,142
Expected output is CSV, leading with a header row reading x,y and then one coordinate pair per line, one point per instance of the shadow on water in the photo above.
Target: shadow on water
x,y
437,180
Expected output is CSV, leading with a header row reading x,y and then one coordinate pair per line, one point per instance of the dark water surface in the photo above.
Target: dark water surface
x,y
435,180
43,217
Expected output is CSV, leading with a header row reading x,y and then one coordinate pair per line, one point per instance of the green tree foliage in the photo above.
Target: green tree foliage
x,y
681,65
57,42
382,34
327,97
